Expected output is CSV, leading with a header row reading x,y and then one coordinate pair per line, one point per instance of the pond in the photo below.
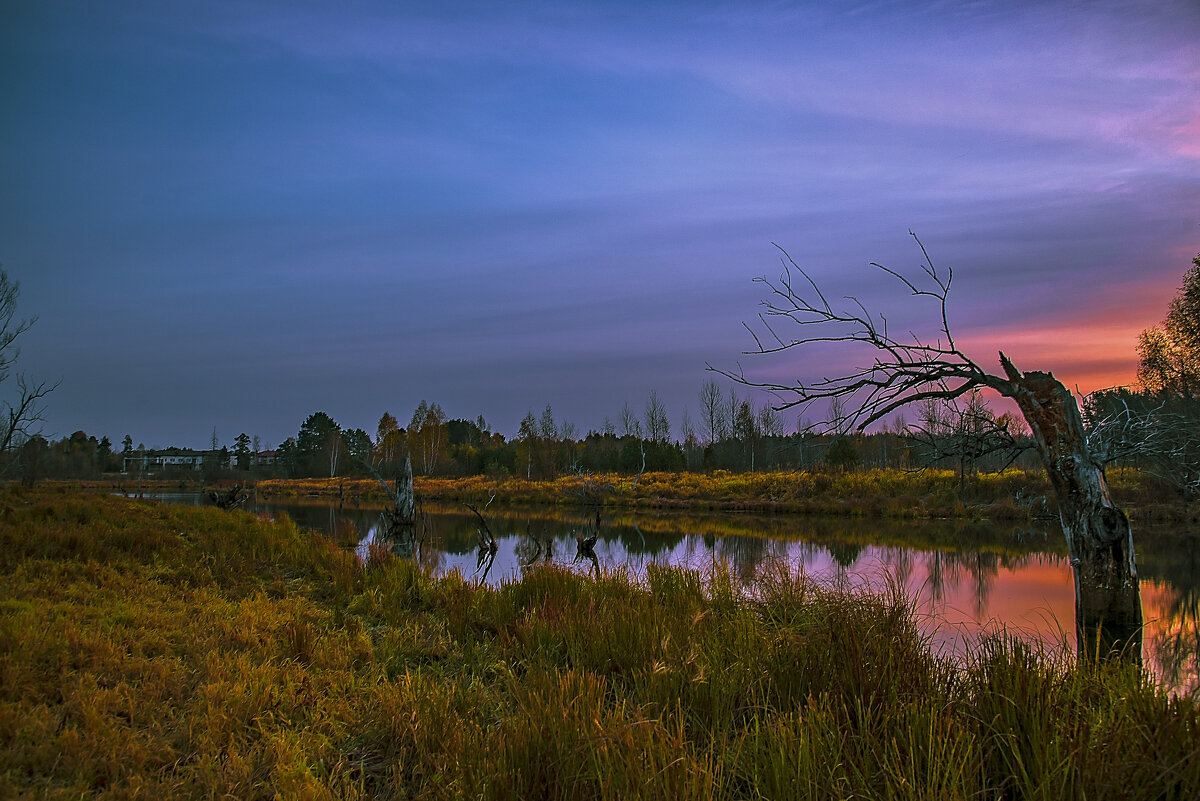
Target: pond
x,y
963,578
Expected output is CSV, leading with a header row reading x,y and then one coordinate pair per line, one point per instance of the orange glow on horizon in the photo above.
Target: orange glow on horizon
x,y
1092,347
1087,356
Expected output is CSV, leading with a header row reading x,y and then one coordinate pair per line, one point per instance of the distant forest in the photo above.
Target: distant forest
x,y
731,433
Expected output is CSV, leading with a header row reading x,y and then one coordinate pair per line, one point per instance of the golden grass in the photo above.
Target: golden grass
x,y
151,651
869,493
877,493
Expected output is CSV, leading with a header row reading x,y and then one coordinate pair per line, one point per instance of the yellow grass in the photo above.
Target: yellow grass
x,y
164,652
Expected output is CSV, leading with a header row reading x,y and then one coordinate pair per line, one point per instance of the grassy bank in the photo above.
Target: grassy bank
x,y
899,494
870,493
175,652
896,494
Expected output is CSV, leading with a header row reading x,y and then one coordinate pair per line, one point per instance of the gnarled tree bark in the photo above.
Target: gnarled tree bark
x,y
1108,608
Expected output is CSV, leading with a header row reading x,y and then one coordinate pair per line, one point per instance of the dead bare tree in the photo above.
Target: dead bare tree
x,y
399,523
658,427
1159,434
488,546
533,547
591,490
585,543
965,433
907,369
711,417
21,416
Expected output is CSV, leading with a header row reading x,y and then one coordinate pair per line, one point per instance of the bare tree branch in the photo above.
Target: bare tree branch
x,y
1160,435
946,430
487,540
21,416
902,371
911,370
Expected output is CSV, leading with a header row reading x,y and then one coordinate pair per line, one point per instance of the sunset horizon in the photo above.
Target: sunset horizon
x,y
235,215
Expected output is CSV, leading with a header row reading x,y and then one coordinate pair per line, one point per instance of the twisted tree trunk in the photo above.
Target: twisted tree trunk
x,y
1108,608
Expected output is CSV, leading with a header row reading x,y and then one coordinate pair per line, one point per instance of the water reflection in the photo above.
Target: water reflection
x,y
963,579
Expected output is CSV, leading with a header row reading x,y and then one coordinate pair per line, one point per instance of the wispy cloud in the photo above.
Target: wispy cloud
x,y
567,200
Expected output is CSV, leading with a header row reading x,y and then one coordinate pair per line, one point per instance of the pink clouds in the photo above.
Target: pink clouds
x,y
1086,355
1188,137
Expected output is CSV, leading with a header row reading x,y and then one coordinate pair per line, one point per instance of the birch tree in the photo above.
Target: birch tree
x,y
711,417
658,427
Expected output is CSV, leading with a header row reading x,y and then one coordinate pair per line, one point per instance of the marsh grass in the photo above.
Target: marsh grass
x,y
1016,495
175,652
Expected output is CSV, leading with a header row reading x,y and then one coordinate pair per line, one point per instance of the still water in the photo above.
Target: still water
x,y
963,579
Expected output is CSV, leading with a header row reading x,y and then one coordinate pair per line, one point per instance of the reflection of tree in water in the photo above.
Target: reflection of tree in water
x,y
1175,643
432,559
334,522
639,543
1174,627
946,571
899,564
747,554
984,569
844,553
804,552
693,544
584,554
1170,560
936,578
455,534
1034,536
535,546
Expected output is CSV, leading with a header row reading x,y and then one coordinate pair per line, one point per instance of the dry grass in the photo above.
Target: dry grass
x,y
899,494
174,652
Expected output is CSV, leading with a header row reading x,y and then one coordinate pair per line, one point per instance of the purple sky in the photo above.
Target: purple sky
x,y
235,214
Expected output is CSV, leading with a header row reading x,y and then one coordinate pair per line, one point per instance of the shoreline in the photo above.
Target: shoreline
x,y
1014,495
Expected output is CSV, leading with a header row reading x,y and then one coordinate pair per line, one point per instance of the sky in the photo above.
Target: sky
x,y
230,215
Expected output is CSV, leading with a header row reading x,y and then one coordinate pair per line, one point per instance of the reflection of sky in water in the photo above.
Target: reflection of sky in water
x,y
990,579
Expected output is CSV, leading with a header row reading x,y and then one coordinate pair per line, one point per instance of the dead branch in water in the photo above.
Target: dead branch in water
x,y
229,499
487,540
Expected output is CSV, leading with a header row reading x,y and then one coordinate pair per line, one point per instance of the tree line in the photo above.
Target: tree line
x,y
730,432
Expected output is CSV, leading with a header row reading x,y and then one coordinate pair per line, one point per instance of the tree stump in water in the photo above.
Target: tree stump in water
x,y
1108,606
229,499
399,522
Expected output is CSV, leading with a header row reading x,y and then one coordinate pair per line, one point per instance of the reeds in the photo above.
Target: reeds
x,y
1013,494
869,493
174,652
